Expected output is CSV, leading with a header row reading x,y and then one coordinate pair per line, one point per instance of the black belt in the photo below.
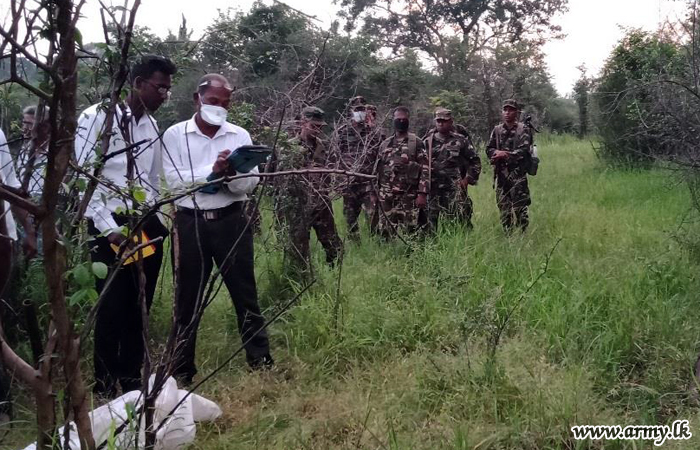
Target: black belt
x,y
213,214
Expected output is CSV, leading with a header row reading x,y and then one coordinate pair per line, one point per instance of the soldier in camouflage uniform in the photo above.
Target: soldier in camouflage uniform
x,y
303,202
402,175
454,166
509,152
357,146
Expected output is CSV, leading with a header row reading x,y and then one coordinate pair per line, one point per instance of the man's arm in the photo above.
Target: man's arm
x,y
9,178
424,180
87,141
473,169
29,244
493,144
177,169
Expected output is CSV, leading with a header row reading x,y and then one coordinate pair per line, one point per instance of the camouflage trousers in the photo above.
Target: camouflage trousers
x,y
355,200
513,199
397,212
299,218
450,204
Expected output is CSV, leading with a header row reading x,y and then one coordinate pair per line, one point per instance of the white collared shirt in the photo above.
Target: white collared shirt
x,y
8,177
147,158
188,158
38,171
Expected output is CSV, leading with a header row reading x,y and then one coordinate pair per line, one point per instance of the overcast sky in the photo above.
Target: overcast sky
x,y
592,26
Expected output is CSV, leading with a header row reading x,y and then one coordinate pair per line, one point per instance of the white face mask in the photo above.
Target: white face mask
x,y
359,116
213,115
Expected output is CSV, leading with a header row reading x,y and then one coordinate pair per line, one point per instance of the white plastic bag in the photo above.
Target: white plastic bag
x,y
177,432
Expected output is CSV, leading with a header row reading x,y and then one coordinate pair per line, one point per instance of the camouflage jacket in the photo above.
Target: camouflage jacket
x,y
357,147
401,169
515,140
300,155
453,158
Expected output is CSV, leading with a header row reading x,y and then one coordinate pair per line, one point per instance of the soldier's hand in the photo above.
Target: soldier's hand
x,y
221,163
422,201
464,183
499,155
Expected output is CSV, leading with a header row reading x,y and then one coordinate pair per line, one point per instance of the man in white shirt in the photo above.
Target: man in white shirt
x,y
119,345
8,234
33,156
8,227
212,227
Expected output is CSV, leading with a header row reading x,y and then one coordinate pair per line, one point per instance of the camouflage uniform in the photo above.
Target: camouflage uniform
x,y
357,150
510,176
453,158
304,202
402,174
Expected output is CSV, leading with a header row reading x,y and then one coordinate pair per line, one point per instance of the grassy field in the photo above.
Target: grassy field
x,y
413,348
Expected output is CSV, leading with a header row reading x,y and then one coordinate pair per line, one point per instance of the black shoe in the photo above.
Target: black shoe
x,y
130,384
184,381
260,363
105,390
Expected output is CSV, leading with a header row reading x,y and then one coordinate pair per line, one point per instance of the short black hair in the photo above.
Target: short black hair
x,y
403,109
149,64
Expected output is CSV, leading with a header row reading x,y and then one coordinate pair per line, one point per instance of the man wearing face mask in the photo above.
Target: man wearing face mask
x,y
357,145
455,166
402,173
509,153
119,345
212,228
304,203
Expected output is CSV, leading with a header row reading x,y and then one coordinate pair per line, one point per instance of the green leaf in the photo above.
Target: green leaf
x,y
76,298
139,195
91,295
82,276
100,270
79,37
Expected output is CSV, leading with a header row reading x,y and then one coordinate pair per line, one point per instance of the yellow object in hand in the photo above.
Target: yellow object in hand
x,y
147,251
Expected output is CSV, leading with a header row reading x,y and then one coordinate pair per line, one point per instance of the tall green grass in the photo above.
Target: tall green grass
x,y
402,354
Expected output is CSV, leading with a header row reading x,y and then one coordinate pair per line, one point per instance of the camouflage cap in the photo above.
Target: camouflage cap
x,y
313,114
510,103
358,100
443,113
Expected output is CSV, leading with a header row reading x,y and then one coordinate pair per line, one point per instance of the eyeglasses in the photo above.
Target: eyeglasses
x,y
162,90
216,84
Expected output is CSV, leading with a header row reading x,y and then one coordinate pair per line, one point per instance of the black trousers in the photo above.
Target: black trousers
x,y
201,244
119,346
